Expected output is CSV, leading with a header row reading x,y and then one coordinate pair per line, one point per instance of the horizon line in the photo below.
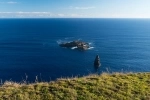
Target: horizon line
x,y
73,18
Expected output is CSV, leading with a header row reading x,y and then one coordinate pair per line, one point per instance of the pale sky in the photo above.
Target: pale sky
x,y
74,8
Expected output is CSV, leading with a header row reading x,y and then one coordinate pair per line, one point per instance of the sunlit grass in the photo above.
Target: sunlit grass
x,y
118,86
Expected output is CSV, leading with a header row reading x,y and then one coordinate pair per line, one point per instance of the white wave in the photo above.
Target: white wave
x,y
90,47
74,47
59,41
90,43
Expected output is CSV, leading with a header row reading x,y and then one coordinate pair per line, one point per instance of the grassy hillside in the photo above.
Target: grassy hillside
x,y
93,87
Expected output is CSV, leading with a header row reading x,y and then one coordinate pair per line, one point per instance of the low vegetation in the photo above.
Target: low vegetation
x,y
118,86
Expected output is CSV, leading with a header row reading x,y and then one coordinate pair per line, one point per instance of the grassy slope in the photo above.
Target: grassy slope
x,y
93,87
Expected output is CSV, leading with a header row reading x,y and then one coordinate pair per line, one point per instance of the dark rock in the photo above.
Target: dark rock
x,y
79,44
97,62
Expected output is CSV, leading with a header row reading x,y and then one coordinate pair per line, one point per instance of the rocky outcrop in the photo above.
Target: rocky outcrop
x,y
78,44
97,63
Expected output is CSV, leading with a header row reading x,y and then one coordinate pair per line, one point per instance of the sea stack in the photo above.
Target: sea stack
x,y
97,63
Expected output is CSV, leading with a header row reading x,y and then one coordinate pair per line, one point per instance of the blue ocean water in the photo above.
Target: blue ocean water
x,y
29,47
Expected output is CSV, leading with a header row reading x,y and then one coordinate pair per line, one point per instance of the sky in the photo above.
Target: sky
x,y
74,8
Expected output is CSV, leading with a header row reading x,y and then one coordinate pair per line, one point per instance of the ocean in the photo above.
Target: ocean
x,y
29,48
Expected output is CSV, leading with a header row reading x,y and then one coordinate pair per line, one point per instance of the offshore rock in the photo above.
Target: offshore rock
x,y
97,63
78,44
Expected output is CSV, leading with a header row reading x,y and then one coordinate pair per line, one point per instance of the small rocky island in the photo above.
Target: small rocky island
x,y
80,45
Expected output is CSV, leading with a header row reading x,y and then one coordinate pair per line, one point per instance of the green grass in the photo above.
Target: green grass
x,y
118,86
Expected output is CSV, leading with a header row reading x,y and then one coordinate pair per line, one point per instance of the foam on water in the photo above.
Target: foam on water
x,y
74,47
91,48
90,43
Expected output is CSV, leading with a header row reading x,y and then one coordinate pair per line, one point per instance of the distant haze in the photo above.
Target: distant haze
x,y
74,9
